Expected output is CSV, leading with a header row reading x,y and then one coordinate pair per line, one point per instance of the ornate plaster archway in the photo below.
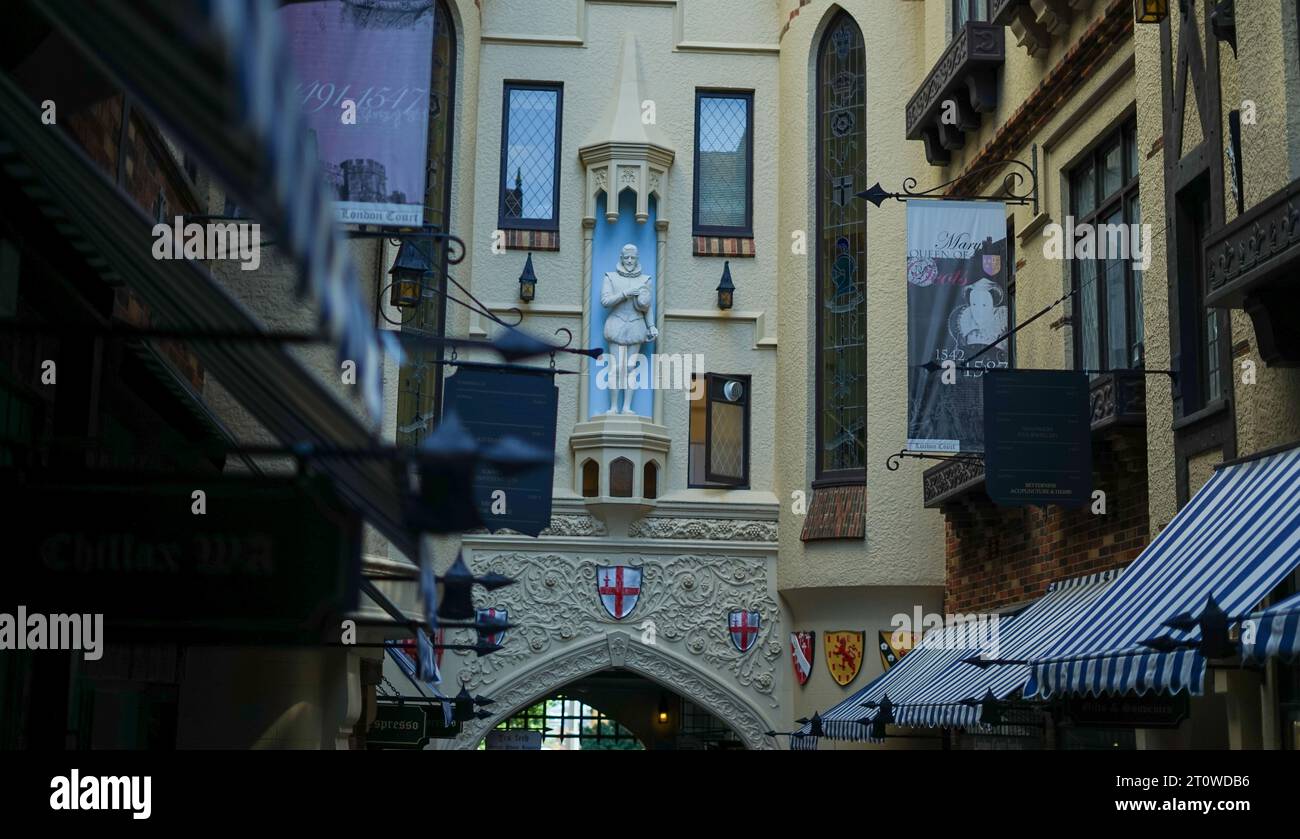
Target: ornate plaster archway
x,y
618,649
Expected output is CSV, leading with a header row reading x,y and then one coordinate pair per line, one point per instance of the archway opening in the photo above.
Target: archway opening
x,y
613,709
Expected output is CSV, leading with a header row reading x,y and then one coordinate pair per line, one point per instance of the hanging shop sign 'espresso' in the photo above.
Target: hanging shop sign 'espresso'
x,y
956,308
228,559
1037,439
494,401
398,726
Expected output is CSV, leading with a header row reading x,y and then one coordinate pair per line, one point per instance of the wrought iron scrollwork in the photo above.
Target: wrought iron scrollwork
x,y
894,461
1013,191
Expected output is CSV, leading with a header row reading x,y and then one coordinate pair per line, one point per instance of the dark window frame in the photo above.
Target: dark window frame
x,y
823,477
713,481
513,223
709,476
1104,205
745,231
977,10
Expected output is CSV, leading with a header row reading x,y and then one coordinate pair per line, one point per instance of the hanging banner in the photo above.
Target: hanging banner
x,y
1038,446
956,306
363,69
495,401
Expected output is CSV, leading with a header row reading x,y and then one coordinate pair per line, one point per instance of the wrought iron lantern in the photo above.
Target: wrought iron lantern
x,y
726,288
1150,11
528,282
408,272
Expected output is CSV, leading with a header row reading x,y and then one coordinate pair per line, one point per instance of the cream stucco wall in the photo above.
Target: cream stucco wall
x,y
903,544
1265,72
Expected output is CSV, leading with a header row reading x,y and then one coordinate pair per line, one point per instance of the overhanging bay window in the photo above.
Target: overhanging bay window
x,y
967,10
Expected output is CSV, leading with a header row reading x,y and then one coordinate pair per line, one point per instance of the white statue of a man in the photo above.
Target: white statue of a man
x,y
627,294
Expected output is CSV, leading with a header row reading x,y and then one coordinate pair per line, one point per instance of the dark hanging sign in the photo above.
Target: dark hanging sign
x,y
1037,439
956,307
265,561
494,401
398,726
1129,711
439,728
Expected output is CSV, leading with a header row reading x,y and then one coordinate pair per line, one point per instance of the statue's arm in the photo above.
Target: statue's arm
x,y
607,295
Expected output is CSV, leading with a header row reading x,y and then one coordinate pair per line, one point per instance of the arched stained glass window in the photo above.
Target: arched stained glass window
x,y
841,284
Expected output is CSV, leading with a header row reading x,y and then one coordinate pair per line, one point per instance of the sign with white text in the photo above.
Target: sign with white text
x,y
956,307
363,70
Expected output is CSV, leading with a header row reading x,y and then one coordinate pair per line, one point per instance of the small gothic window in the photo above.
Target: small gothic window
x,y
620,478
650,480
530,156
590,479
724,160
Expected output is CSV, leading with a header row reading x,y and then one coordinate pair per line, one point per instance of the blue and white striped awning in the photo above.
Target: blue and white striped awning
x,y
1274,632
1235,541
945,701
933,686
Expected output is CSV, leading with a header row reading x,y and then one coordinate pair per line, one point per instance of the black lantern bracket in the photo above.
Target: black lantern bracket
x,y
1013,191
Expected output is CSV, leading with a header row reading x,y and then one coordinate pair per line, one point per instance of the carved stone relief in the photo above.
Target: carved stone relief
x,y
617,649
657,527
687,597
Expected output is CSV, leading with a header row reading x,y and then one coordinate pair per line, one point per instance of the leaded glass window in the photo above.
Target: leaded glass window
x,y
724,154
530,156
419,380
841,293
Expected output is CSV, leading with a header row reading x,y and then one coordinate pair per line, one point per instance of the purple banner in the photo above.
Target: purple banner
x,y
363,69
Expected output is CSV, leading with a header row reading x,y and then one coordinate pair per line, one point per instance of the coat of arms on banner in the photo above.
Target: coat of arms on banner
x,y
497,638
801,653
742,625
619,587
844,654
896,644
992,264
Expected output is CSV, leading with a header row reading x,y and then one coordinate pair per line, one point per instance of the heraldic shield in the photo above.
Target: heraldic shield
x,y
742,625
844,654
801,654
619,587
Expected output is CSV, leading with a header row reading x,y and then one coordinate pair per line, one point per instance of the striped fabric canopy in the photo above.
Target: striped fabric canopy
x,y
939,703
931,685
1235,541
1276,632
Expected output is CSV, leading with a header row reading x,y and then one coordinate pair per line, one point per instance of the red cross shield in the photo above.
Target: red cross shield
x,y
743,627
493,637
619,587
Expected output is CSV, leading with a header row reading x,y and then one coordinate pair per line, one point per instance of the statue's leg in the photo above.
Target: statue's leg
x,y
618,376
630,391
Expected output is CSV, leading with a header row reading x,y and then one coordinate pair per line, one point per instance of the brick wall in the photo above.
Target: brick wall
x,y
148,169
1000,556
